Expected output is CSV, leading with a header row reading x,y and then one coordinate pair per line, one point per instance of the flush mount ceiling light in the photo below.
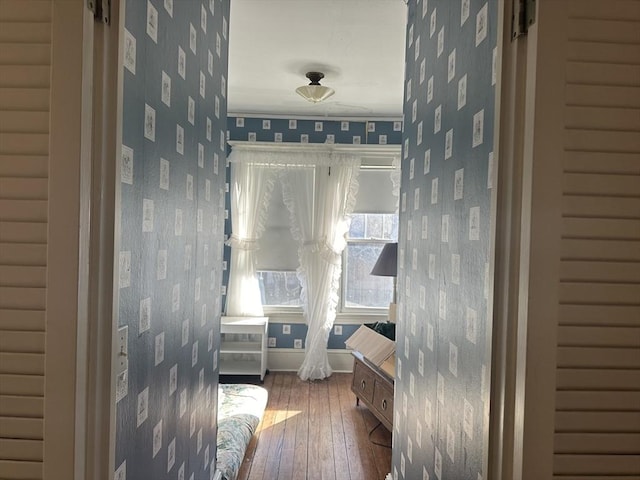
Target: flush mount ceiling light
x,y
314,92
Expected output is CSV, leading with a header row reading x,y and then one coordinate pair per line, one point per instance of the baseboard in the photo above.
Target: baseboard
x,y
290,360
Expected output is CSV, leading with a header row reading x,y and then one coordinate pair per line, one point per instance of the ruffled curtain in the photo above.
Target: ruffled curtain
x,y
395,177
320,200
251,188
319,189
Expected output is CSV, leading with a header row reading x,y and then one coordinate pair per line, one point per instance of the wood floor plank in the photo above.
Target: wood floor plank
x,y
314,430
286,460
328,465
281,407
337,430
264,441
320,453
352,444
313,453
301,456
245,468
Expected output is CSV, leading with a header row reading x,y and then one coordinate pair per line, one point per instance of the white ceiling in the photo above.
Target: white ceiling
x,y
357,44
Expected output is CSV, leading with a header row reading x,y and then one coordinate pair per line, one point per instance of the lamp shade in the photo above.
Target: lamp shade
x,y
314,92
387,264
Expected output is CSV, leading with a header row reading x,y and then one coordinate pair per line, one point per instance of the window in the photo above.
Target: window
x,y
367,236
374,224
361,290
279,288
278,257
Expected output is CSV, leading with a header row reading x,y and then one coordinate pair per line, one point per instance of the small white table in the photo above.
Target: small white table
x,y
254,351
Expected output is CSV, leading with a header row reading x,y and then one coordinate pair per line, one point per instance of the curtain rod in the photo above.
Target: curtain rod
x,y
364,150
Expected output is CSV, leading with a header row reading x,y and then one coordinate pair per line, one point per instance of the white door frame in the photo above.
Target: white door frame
x,y
79,422
99,442
511,270
70,144
524,353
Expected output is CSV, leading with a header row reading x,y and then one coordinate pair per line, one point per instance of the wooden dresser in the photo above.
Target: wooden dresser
x,y
374,386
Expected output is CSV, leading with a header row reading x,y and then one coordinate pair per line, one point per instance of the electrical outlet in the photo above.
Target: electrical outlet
x,y
337,330
122,349
286,329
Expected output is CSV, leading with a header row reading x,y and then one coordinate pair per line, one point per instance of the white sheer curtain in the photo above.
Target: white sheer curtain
x,y
396,177
251,187
320,200
319,187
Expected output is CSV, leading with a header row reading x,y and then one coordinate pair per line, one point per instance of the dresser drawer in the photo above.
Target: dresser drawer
x,y
373,387
383,400
363,382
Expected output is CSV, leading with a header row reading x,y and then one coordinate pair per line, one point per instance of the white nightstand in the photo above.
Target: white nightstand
x,y
254,351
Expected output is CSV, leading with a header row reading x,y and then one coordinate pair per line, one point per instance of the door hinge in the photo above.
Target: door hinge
x,y
101,10
524,15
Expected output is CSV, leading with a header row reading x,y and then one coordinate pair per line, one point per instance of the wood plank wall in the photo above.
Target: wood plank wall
x,y
25,56
597,420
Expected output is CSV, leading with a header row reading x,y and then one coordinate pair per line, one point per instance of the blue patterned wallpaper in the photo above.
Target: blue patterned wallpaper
x,y
171,236
443,336
285,335
321,130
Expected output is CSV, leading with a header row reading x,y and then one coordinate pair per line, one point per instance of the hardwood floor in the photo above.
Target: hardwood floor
x,y
314,430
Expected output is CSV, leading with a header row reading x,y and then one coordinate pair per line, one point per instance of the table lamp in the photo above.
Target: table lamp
x,y
387,266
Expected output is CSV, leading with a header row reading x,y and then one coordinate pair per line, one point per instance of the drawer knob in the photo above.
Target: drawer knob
x,y
384,404
363,384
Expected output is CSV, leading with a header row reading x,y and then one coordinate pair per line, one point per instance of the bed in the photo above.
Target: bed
x,y
240,409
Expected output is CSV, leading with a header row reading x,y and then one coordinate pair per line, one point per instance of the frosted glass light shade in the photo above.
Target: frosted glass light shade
x,y
315,93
